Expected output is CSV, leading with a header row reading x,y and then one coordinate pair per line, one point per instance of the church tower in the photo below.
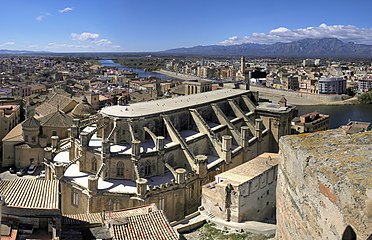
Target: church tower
x,y
242,65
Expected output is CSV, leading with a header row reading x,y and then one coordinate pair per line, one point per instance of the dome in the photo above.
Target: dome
x,y
83,109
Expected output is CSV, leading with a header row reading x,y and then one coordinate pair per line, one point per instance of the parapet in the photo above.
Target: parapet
x,y
325,185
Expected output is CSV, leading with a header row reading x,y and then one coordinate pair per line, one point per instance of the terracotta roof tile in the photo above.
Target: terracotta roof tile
x,y
94,218
31,193
56,119
152,225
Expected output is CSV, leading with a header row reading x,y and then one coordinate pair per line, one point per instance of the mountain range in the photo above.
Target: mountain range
x,y
20,52
309,47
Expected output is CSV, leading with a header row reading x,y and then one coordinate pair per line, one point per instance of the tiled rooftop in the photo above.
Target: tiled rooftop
x,y
152,225
30,193
94,218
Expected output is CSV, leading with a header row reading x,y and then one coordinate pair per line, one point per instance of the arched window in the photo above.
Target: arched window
x,y
94,165
349,234
147,168
120,169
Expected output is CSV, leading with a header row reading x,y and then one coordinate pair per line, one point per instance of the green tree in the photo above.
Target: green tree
x,y
366,98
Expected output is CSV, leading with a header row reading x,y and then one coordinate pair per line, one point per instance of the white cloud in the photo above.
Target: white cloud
x,y
85,36
42,16
346,33
103,42
7,44
230,41
93,38
65,10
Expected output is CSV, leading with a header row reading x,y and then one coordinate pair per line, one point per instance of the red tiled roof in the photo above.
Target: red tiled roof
x,y
94,218
152,225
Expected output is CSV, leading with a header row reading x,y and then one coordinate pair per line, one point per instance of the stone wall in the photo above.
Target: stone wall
x,y
324,185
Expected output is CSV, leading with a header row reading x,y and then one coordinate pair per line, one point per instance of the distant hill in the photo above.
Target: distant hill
x,y
20,52
324,47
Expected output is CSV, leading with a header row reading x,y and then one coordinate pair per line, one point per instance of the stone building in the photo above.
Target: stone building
x,y
200,86
310,122
10,116
324,188
162,151
24,144
244,193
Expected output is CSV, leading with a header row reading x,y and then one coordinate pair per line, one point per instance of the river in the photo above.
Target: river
x,y
340,114
141,73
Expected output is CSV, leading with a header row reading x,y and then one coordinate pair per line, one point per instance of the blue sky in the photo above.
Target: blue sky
x,y
153,25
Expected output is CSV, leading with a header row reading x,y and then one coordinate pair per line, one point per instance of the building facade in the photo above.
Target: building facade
x,y
244,193
332,86
364,85
162,151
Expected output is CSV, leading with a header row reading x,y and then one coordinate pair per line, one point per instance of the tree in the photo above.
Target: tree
x,y
366,98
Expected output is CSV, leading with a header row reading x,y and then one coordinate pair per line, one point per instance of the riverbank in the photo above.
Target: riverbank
x,y
179,75
295,98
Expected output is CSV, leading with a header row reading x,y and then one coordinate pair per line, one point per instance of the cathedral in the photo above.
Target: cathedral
x,y
162,151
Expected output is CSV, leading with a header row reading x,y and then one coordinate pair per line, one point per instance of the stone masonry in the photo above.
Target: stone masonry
x,y
324,188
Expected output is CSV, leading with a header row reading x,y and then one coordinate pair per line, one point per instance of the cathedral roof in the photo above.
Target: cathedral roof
x,y
56,119
31,122
83,109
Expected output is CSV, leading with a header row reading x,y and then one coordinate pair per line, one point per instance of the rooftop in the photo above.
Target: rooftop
x,y
249,170
109,185
273,107
170,104
152,225
30,193
94,218
15,135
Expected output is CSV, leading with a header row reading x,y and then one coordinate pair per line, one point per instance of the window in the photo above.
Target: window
x,y
75,198
54,133
120,169
161,203
94,165
148,168
116,205
349,234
